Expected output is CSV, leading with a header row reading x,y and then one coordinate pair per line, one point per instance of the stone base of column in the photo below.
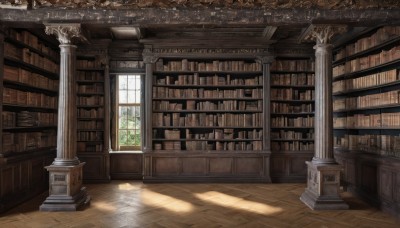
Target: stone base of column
x,y
65,189
323,185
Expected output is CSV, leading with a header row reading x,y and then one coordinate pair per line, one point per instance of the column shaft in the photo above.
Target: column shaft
x,y
148,93
66,133
323,104
267,107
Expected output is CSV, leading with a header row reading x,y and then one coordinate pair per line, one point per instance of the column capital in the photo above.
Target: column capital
x,y
268,59
64,32
149,57
322,33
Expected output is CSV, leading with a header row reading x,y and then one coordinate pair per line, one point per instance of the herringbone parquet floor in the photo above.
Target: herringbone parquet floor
x,y
134,204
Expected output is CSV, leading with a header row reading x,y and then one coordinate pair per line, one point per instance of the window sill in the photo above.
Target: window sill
x,y
126,152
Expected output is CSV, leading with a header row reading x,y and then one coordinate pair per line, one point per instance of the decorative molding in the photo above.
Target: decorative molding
x,y
64,32
322,33
271,4
266,59
207,50
150,58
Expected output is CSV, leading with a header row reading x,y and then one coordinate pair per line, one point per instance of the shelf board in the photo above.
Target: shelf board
x,y
208,99
393,63
21,44
90,69
89,81
207,111
204,127
29,107
91,141
367,108
242,73
30,67
16,156
210,86
288,140
28,128
90,94
294,86
292,114
292,72
209,140
90,106
368,128
100,130
292,127
292,101
174,151
367,88
292,151
89,118
367,51
20,85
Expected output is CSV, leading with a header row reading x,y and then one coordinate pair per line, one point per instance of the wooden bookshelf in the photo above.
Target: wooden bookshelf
x,y
29,102
292,118
366,111
92,114
207,119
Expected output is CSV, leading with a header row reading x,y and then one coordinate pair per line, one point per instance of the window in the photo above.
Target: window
x,y
129,121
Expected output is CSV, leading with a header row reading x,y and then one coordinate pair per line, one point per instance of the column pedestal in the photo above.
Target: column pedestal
x,y
65,192
323,192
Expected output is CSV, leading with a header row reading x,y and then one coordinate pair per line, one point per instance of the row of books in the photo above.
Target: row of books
x,y
207,145
292,146
90,124
284,121
366,101
291,108
115,64
16,74
28,119
292,94
216,65
163,92
26,141
381,35
368,120
32,41
367,62
85,147
293,79
90,136
366,81
387,145
211,80
84,63
233,105
90,113
207,120
91,100
92,88
293,65
284,134
219,134
89,76
13,96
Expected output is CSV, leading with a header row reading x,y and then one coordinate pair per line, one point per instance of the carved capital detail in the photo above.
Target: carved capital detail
x,y
322,34
150,58
64,32
266,59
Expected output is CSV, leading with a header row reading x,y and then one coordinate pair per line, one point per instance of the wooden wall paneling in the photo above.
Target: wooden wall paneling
x,y
94,170
126,165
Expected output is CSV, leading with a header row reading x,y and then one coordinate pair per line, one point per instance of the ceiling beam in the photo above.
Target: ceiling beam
x,y
269,31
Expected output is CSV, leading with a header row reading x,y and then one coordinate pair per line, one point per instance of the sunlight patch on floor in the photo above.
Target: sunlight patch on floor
x,y
169,203
104,206
234,202
126,187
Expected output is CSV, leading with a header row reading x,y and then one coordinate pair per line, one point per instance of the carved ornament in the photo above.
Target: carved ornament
x,y
322,34
64,32
266,59
256,4
150,58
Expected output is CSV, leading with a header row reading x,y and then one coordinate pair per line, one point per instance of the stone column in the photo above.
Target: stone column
x,y
65,191
323,177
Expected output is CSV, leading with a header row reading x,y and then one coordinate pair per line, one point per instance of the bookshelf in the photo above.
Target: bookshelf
x,y
366,105
292,118
93,132
29,96
207,119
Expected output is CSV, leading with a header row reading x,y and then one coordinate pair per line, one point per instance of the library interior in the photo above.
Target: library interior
x,y
200,113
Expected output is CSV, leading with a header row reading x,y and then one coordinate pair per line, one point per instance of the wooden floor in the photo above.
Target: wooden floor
x,y
134,204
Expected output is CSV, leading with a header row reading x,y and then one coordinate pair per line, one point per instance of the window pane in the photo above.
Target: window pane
x,y
123,97
137,111
123,83
131,96
131,119
123,122
137,96
132,81
123,137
